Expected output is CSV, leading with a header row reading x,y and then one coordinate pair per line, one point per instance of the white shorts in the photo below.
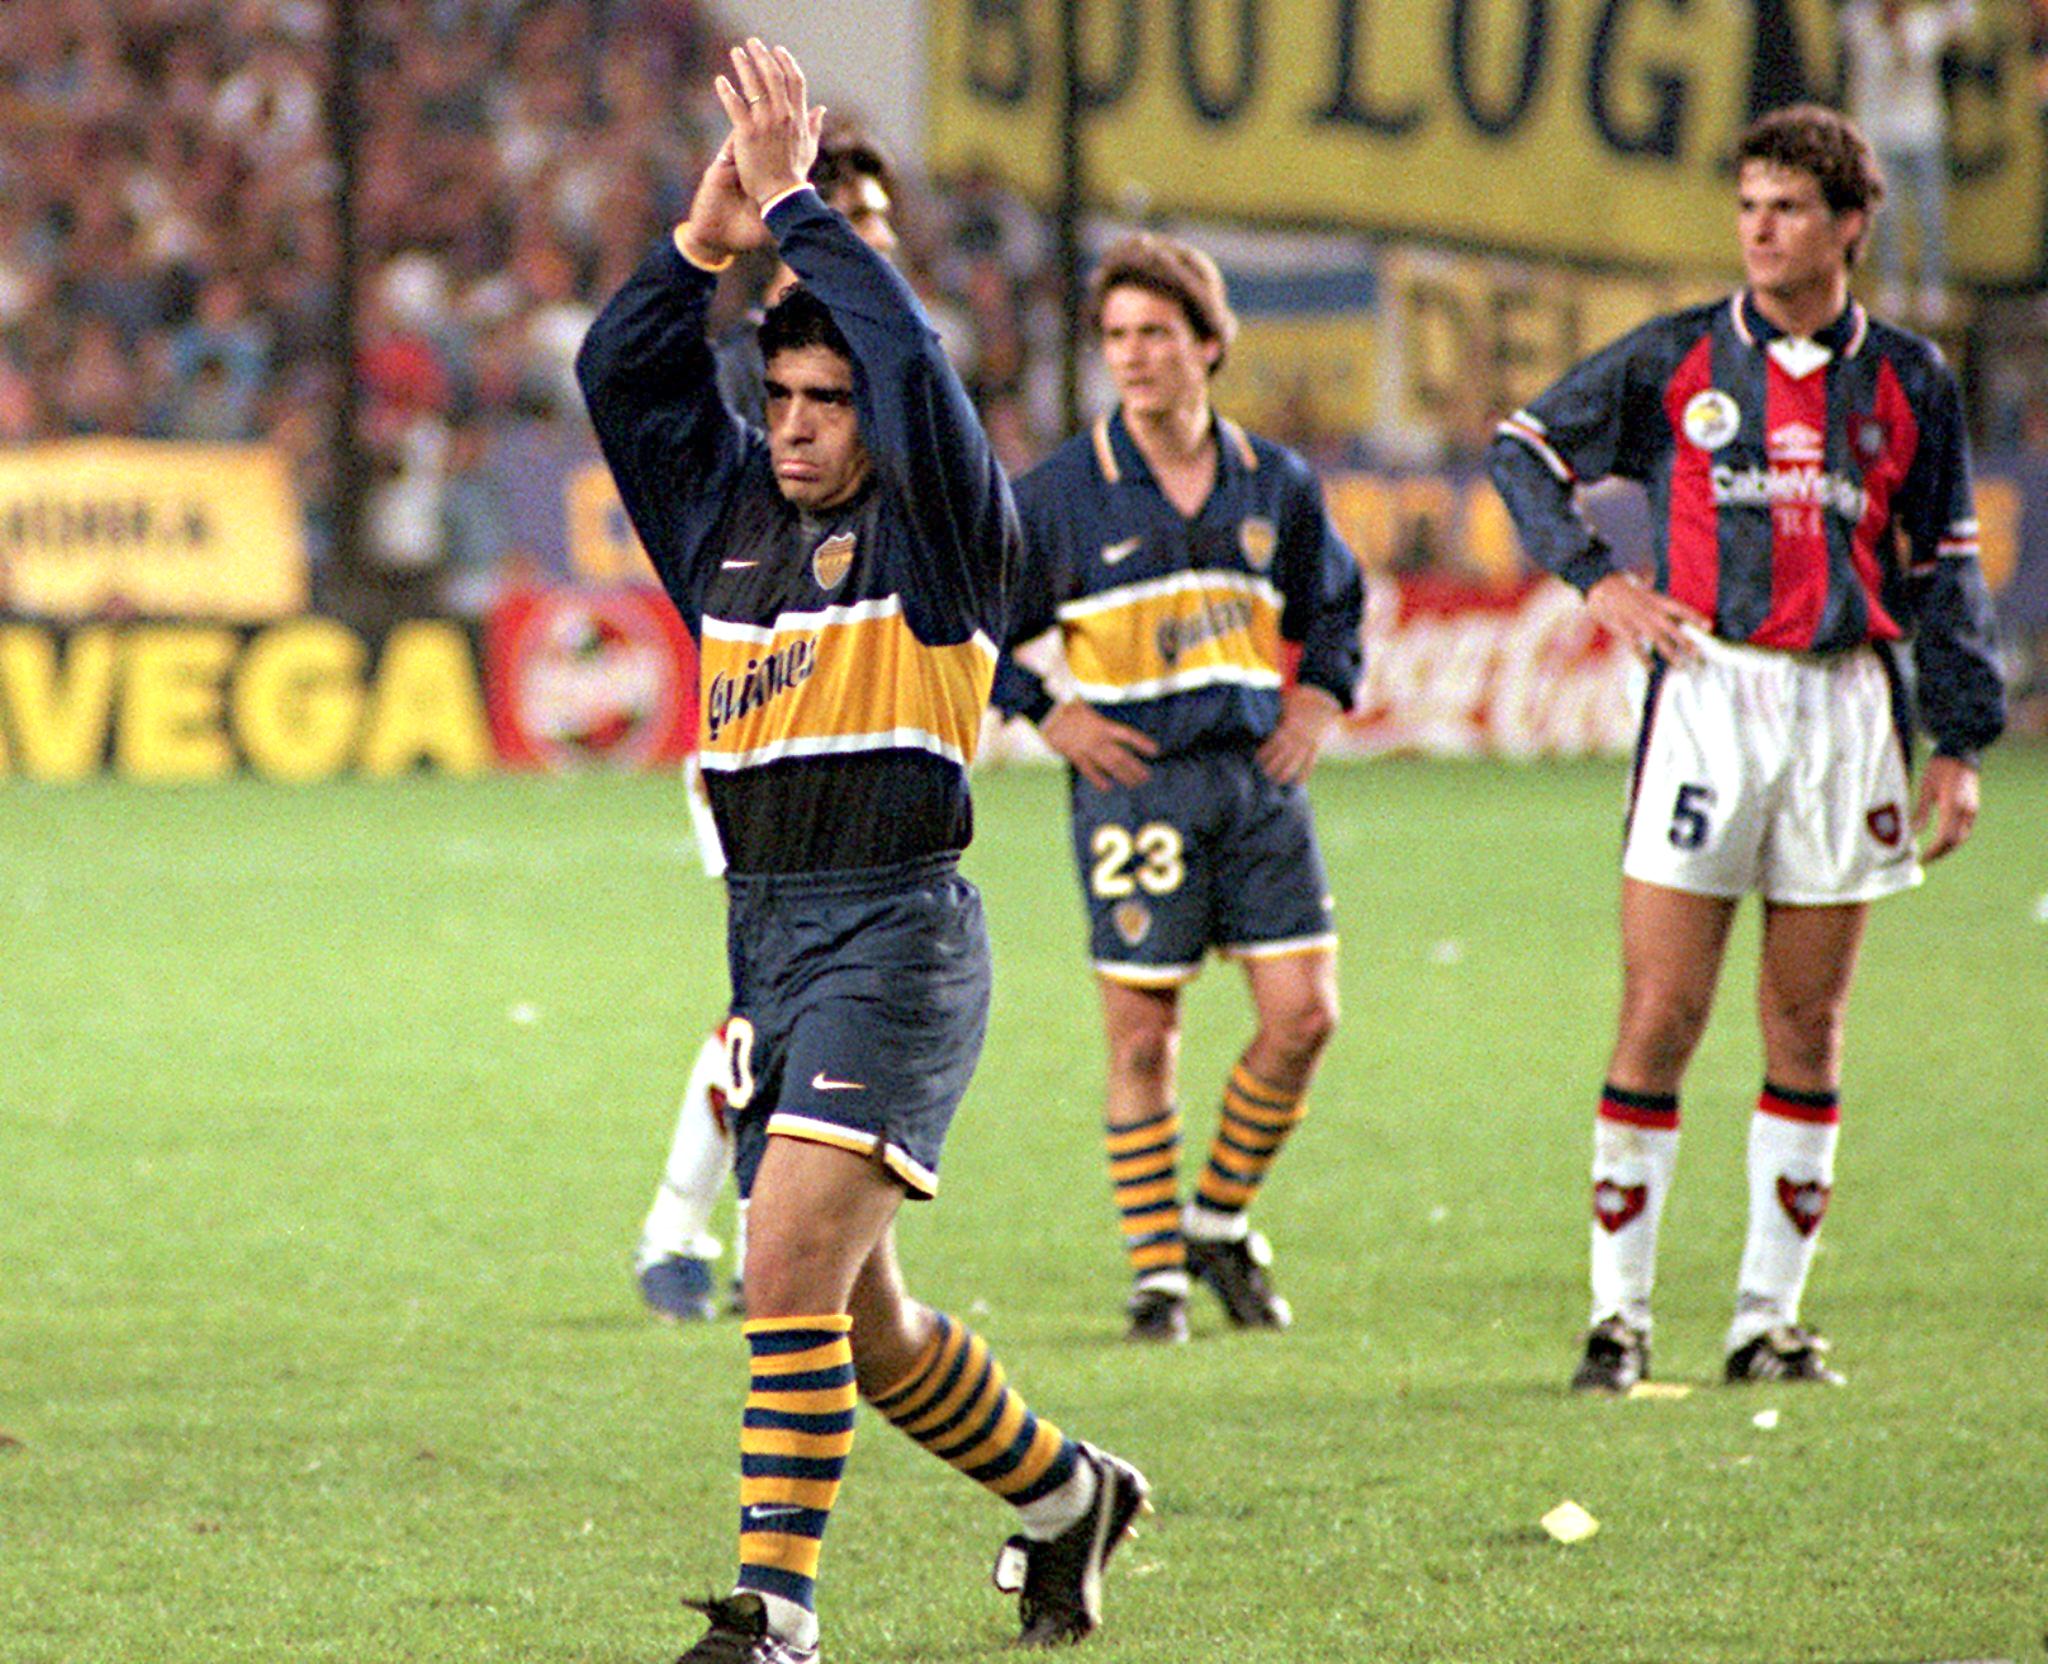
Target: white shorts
x,y
1776,772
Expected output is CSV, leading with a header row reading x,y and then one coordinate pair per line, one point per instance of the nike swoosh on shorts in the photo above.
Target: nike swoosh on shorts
x,y
822,1082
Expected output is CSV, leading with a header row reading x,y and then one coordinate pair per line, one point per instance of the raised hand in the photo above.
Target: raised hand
x,y
774,129
723,219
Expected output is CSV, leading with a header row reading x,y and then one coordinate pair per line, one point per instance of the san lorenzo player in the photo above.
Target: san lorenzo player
x,y
1810,482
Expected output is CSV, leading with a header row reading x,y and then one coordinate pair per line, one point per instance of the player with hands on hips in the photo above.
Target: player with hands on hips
x,y
1177,557
1809,481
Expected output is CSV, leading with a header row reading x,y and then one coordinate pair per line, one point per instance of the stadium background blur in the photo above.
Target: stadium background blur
x,y
1470,199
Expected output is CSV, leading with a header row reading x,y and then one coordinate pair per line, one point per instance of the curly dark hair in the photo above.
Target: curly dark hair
x,y
800,319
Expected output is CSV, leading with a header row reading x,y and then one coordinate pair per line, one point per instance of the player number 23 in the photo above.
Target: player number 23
x,y
1157,849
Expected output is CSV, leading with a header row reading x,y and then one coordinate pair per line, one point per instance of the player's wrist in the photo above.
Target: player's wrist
x,y
704,252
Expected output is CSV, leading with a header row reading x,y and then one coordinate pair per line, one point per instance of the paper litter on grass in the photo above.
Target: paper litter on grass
x,y
1569,1523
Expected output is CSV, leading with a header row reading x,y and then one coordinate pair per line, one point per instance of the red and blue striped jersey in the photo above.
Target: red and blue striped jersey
x,y
1807,494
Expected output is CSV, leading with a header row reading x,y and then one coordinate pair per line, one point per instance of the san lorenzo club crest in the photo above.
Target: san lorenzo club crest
x,y
1258,539
1133,921
1616,1205
1711,419
1804,1203
831,558
1868,437
1886,824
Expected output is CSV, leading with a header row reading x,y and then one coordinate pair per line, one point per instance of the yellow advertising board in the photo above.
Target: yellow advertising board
x,y
1588,130
89,526
299,700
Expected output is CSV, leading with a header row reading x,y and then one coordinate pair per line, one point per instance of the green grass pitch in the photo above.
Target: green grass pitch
x,y
327,1118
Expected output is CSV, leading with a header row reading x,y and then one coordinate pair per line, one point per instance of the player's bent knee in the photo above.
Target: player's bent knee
x,y
1146,1053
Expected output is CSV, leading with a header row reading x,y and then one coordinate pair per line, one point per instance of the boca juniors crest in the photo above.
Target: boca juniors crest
x,y
831,559
1258,538
1133,921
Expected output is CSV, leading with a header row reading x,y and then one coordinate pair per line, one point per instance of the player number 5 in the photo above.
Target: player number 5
x,y
1158,849
1689,816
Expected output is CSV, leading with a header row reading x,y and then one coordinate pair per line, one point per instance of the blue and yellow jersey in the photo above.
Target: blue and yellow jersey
x,y
845,657
1177,625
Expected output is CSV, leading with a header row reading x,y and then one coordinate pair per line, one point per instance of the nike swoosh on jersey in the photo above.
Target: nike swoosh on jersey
x,y
822,1082
1112,553
735,565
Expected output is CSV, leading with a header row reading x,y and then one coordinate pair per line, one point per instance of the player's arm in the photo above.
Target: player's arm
x,y
1101,750
1960,690
916,418
1601,418
1324,591
649,382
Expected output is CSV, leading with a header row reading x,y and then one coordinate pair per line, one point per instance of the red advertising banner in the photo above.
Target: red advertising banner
x,y
590,678
1453,670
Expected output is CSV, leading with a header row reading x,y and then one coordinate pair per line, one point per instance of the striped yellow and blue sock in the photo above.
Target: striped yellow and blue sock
x,y
794,1439
957,1403
1257,1118
1144,1168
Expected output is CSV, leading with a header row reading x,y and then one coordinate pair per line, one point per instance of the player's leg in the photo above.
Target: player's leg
x,y
1671,947
1294,995
1141,1129
1809,961
673,1260
937,1381
1840,840
818,1212
1272,912
1713,737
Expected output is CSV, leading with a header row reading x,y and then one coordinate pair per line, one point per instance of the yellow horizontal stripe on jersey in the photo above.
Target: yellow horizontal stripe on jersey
x,y
1169,635
851,678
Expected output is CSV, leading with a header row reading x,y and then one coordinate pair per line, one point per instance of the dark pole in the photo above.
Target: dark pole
x,y
1073,196
350,475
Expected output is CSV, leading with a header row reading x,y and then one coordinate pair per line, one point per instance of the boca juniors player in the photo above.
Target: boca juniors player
x,y
843,574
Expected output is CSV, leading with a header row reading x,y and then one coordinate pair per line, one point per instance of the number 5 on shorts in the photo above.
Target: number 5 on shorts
x,y
1689,816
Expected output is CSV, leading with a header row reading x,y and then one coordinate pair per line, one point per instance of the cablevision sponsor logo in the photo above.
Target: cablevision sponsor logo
x,y
1807,486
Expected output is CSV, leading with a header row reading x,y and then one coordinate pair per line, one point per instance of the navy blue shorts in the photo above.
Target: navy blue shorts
x,y
1208,853
859,1003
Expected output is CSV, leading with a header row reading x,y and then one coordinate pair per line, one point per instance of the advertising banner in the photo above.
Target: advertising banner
x,y
1591,130
303,700
96,526
1456,671
590,678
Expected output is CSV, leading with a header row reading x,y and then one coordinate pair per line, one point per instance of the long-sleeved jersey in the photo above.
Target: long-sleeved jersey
x,y
844,656
1806,494
1172,624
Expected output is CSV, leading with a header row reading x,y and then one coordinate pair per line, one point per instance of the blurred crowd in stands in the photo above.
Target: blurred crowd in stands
x,y
170,252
